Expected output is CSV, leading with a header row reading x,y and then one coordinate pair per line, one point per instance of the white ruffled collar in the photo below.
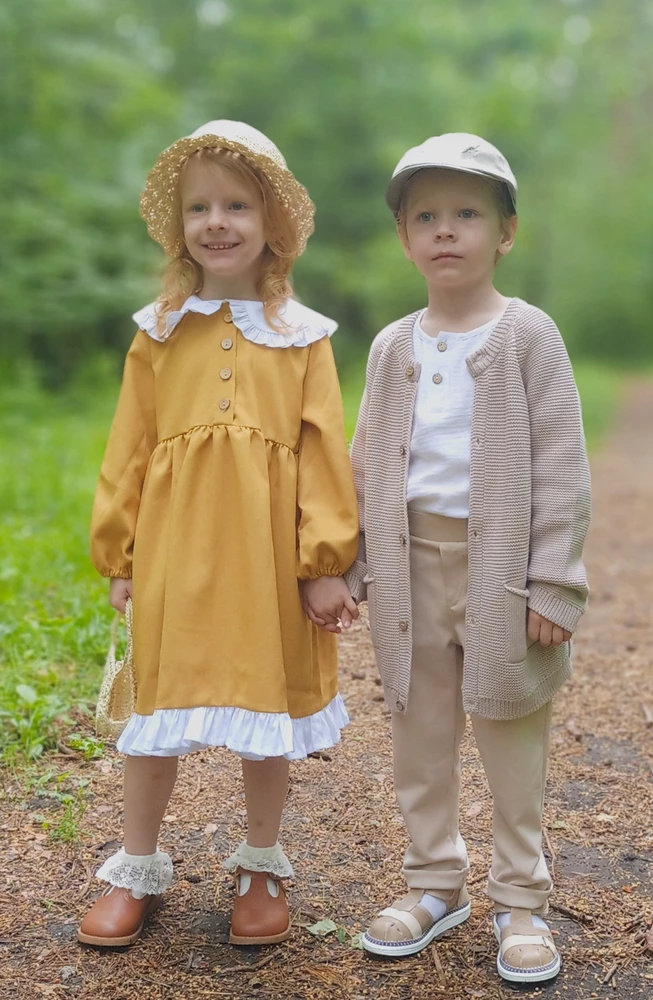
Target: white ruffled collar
x,y
306,325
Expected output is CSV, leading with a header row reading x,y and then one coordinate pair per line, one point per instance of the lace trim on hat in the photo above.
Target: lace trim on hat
x,y
149,875
305,325
270,860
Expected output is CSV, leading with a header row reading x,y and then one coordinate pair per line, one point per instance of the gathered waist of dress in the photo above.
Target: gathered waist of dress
x,y
294,448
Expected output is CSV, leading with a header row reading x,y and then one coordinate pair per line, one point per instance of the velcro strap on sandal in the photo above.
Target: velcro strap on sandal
x,y
406,918
514,940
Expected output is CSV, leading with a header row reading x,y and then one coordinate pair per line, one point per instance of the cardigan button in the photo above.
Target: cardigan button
x,y
402,538
225,404
400,706
228,318
403,626
225,374
410,371
227,344
403,449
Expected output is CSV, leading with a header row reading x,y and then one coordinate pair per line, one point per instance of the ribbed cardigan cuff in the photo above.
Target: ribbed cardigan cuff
x,y
355,580
554,608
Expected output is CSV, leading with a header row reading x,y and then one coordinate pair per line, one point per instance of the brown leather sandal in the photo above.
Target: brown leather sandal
x,y
116,918
260,914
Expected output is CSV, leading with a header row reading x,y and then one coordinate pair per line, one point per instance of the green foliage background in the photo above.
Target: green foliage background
x,y
92,90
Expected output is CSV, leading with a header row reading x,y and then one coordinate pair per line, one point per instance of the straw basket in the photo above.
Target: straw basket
x,y
117,698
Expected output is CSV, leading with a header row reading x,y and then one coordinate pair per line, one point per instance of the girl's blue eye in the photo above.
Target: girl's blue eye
x,y
237,206
425,216
197,208
468,213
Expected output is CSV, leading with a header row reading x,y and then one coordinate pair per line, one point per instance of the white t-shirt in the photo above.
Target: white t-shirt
x,y
440,444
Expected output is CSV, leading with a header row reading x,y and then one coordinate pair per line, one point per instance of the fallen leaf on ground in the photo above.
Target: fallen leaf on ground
x,y
322,928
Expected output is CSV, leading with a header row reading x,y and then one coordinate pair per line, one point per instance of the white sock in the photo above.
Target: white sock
x,y
142,874
503,919
435,906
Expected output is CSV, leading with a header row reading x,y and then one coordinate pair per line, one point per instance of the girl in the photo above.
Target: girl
x,y
474,498
226,481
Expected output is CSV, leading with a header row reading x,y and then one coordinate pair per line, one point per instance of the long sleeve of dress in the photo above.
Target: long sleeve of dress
x,y
560,482
131,442
328,515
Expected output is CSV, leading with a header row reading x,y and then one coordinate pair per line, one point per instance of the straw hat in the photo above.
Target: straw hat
x,y
157,200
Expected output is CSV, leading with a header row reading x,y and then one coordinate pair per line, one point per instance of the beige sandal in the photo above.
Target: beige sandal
x,y
527,953
407,927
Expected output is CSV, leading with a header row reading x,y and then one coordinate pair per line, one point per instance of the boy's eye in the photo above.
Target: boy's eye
x,y
425,216
467,213
197,208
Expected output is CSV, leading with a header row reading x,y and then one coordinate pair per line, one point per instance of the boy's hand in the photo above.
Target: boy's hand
x,y
545,632
327,601
119,592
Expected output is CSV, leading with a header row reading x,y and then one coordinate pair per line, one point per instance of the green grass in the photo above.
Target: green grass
x,y
54,613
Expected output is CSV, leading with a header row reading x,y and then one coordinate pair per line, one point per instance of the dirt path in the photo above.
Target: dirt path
x,y
344,834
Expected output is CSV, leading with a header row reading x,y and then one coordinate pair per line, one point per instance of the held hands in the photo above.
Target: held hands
x,y
328,602
545,632
119,592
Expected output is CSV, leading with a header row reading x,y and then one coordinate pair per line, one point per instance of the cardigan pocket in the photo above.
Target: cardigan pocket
x,y
516,609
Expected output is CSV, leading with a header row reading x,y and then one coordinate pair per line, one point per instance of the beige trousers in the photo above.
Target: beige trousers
x,y
426,740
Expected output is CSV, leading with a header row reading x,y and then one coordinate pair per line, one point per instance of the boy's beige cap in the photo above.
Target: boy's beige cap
x,y
158,198
453,151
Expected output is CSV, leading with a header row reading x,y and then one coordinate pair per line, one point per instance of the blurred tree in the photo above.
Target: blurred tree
x,y
92,90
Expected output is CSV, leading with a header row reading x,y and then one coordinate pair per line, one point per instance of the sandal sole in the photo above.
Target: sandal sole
x,y
272,939
512,975
440,927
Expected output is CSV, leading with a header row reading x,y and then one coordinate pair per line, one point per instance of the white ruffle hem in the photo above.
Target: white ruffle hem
x,y
171,732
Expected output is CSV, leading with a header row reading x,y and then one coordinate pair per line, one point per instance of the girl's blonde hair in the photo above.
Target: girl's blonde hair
x,y
183,275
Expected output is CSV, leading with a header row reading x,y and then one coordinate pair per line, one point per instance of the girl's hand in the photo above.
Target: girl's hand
x,y
119,592
328,602
545,632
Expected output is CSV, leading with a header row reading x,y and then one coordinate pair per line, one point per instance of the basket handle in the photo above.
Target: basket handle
x,y
115,625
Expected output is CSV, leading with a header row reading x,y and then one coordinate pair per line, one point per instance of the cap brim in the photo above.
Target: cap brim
x,y
399,181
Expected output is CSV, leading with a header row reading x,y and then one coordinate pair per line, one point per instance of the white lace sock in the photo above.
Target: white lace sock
x,y
271,860
144,874
503,919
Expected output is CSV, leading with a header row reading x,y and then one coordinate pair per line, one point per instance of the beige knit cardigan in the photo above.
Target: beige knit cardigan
x,y
529,511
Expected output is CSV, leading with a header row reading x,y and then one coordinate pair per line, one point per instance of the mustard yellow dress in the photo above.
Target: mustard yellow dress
x,y
226,480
